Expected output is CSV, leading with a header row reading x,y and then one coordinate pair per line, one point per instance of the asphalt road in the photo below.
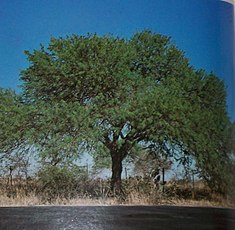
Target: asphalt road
x,y
116,217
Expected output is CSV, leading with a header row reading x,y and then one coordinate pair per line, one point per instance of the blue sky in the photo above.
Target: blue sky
x,y
203,29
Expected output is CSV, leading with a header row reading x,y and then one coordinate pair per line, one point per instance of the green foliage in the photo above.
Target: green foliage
x,y
15,146
111,94
59,181
12,122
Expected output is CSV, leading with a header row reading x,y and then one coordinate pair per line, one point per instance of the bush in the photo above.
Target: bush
x,y
60,181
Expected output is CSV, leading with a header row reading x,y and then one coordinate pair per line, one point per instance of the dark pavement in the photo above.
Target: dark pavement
x,y
116,218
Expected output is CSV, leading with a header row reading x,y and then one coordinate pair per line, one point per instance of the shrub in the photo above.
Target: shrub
x,y
60,181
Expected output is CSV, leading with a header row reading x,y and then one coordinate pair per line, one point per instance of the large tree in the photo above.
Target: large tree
x,y
118,95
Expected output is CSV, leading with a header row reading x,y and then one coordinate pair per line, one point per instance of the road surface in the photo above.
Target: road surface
x,y
116,218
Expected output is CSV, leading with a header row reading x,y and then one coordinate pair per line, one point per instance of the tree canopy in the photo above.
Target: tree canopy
x,y
115,95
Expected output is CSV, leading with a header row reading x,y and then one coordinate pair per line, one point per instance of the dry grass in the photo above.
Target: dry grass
x,y
19,200
135,193
133,199
35,201
205,203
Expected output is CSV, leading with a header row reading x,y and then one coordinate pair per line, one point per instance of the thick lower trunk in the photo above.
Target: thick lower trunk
x,y
116,181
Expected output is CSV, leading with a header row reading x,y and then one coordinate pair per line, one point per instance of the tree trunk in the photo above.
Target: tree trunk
x,y
116,181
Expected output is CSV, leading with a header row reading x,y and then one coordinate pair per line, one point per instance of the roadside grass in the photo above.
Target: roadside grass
x,y
96,192
133,199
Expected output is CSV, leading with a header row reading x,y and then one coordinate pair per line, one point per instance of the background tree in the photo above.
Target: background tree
x,y
115,95
15,147
12,121
230,148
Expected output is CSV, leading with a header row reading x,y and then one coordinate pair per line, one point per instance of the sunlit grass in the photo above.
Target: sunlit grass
x,y
134,193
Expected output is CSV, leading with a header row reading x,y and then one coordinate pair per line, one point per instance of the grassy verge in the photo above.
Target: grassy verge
x,y
96,192
34,201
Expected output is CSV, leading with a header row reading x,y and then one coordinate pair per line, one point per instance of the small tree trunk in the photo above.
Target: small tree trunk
x,y
116,181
